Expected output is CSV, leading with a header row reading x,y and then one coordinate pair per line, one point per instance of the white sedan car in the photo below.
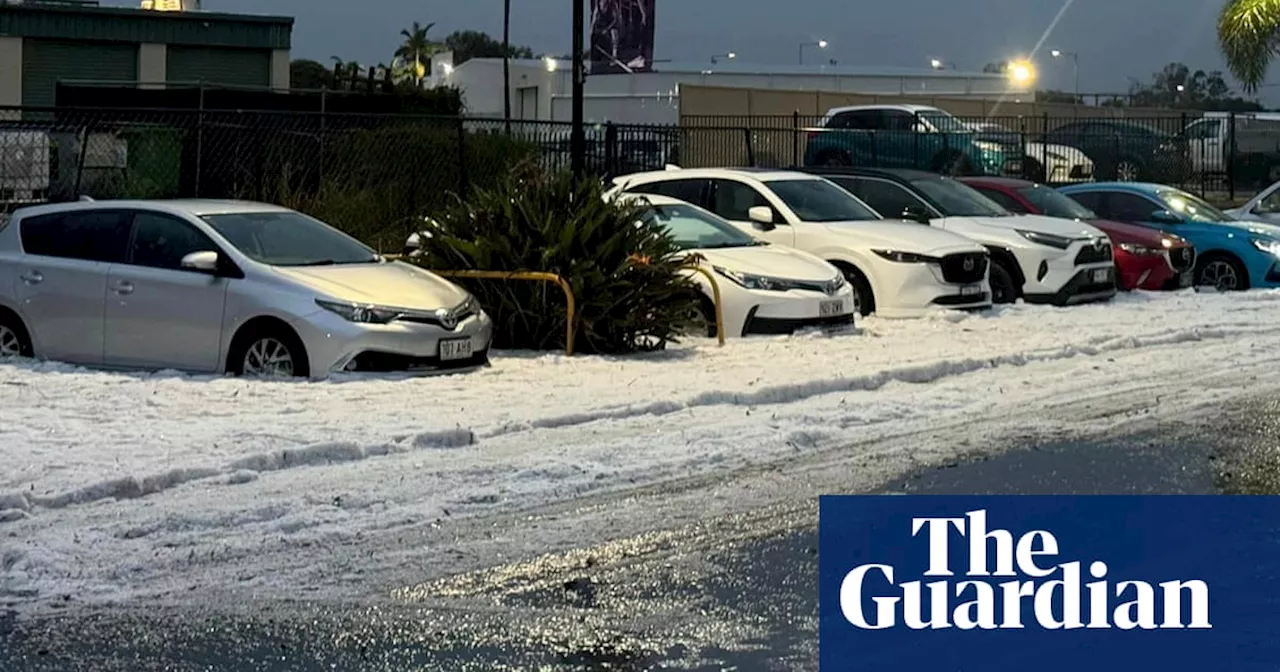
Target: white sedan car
x,y
764,288
897,269
1060,163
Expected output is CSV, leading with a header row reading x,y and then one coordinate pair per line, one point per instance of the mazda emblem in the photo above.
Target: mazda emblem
x,y
968,264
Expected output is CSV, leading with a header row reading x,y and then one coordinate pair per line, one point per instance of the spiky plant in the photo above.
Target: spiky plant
x,y
1249,36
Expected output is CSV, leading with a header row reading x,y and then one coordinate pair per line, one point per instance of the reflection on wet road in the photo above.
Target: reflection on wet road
x,y
698,599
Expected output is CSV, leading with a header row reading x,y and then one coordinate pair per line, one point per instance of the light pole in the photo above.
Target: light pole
x,y
716,59
1075,66
821,44
578,134
506,63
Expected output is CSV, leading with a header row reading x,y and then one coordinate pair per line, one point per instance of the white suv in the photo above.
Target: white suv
x,y
897,269
1038,259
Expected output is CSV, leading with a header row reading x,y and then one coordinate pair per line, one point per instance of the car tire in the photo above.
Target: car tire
x,y
864,298
1003,287
276,343
1212,269
702,318
15,340
952,162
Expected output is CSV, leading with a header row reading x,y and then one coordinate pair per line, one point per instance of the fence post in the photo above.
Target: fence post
x,y
324,108
1231,156
199,138
462,158
751,152
84,149
611,149
915,140
795,139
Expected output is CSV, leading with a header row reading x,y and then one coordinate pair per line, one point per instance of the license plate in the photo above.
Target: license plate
x,y
830,308
1185,279
453,349
1101,275
971,290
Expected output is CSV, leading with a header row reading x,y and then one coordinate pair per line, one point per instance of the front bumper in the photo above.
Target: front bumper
x,y
786,312
1083,287
912,290
335,345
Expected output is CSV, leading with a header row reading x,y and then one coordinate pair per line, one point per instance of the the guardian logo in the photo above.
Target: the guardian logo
x,y
1055,591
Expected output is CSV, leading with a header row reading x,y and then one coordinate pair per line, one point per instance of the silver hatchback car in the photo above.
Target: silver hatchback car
x,y
222,286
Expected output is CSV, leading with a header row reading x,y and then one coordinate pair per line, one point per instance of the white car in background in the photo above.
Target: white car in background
x,y
1263,207
1061,164
764,288
897,269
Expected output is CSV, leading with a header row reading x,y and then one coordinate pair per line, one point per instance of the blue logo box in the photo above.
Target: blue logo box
x,y
1041,584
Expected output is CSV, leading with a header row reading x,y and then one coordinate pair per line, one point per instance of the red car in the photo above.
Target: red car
x,y
1145,258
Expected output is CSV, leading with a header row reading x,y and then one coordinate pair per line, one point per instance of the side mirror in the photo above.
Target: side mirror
x,y
1165,217
916,214
762,217
205,261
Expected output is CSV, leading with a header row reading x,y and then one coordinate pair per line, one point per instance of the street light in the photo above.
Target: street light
x,y
551,64
1075,65
939,64
821,44
578,132
1022,72
716,59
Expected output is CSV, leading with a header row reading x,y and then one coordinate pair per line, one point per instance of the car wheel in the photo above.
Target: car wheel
x,y
268,352
701,319
1222,272
864,300
1003,289
1128,171
14,339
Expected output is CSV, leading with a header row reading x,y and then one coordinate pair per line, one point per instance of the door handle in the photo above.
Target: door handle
x,y
123,287
32,277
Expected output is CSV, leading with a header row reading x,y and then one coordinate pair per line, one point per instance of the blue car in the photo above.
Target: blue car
x,y
1230,254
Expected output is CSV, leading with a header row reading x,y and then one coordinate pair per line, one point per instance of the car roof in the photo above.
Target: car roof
x,y
1006,182
903,174
1132,187
196,207
762,174
888,106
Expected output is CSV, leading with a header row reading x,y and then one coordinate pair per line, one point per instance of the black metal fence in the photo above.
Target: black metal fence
x,y
375,174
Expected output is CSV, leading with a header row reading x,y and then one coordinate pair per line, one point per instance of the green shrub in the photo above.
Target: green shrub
x,y
624,275
375,183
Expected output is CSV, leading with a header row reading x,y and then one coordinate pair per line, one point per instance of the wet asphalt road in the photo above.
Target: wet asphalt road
x,y
741,605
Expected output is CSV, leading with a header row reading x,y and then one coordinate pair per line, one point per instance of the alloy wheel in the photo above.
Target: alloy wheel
x,y
1127,171
1220,274
268,358
10,343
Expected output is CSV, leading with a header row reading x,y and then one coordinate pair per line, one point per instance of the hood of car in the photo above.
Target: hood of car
x,y
394,285
1069,228
1120,232
903,236
1229,228
770,260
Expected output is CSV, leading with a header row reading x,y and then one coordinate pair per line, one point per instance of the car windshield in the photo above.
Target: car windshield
x,y
289,239
694,229
1192,207
820,201
944,122
1053,203
959,200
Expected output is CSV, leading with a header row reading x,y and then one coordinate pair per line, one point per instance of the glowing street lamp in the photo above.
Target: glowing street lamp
x,y
939,64
821,44
1075,65
716,59
1022,73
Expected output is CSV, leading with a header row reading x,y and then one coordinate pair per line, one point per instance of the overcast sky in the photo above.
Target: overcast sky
x,y
1116,39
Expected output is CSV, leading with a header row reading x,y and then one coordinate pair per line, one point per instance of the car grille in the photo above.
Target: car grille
x,y
963,269
1094,254
830,287
1182,258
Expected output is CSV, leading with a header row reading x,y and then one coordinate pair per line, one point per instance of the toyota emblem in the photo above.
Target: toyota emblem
x,y
447,318
968,263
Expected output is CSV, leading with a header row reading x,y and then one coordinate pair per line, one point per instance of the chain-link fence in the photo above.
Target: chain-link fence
x,y
377,175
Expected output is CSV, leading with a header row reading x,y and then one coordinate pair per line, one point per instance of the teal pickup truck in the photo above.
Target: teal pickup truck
x,y
907,136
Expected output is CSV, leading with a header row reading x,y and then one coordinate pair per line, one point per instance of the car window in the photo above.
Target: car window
x,y
161,241
1005,200
1208,128
1091,200
289,239
733,200
91,235
957,199
1192,207
898,120
1130,207
692,228
820,201
690,191
1053,203
887,198
858,120
1269,204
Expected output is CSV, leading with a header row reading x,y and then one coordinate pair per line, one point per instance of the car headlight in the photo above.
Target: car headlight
x,y
365,314
1051,240
1271,247
988,146
905,257
1139,250
469,306
750,281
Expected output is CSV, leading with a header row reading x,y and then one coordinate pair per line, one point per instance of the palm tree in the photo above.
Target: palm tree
x,y
1249,36
416,45
506,63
